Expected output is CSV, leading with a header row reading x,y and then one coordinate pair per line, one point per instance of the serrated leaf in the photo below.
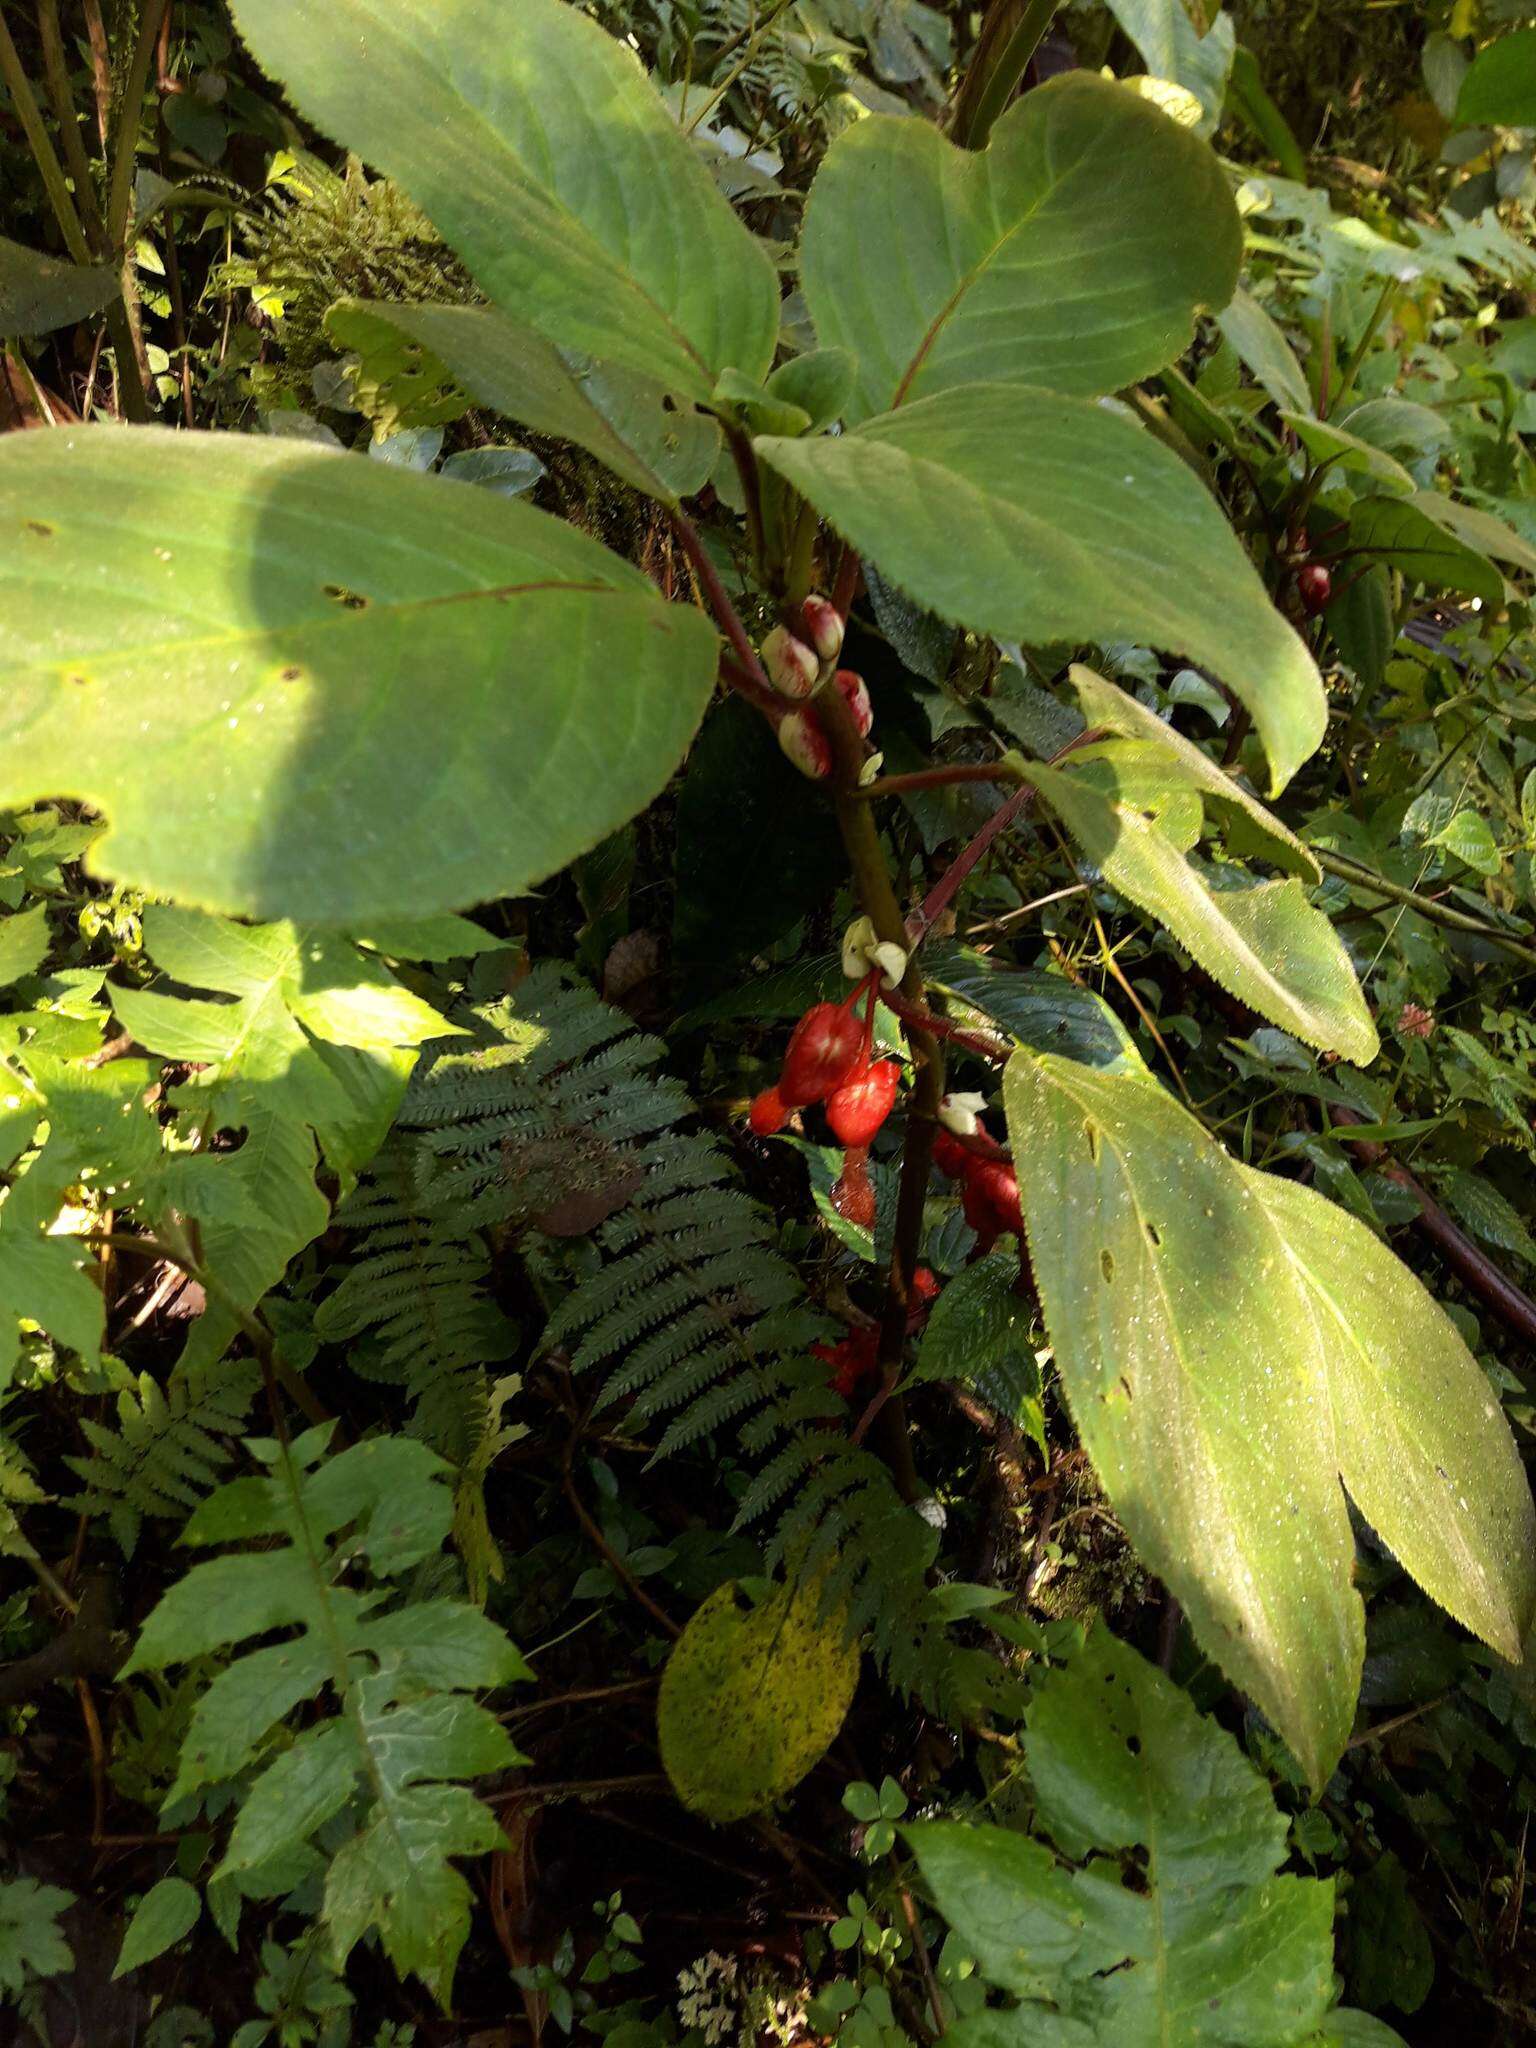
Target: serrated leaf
x,y
1232,1346
1210,1946
1266,944
751,1697
1078,526
31,1941
1105,704
1469,837
545,157
167,1911
307,685
1360,623
1038,1008
1074,251
404,1734
615,415
40,292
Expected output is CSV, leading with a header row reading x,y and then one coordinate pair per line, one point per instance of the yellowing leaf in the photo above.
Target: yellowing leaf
x,y
752,1697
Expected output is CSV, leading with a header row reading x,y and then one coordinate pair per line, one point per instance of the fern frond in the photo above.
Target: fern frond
x,y
168,1448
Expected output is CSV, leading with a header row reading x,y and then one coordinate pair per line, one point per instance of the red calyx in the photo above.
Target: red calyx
x,y
769,1112
853,1192
1314,586
824,1050
858,1109
853,1358
993,1190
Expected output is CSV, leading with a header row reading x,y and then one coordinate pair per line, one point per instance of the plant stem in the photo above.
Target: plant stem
x,y
126,141
742,454
939,778
845,586
1436,913
56,74
718,597
1010,36
29,114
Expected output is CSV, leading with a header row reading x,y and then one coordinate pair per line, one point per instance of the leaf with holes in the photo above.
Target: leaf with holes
x,y
1078,526
752,1697
1073,252
545,157
304,685
1232,1347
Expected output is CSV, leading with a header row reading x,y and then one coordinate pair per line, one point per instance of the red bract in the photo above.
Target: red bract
x,y
854,1358
823,1051
1314,586
857,1110
949,1155
768,1113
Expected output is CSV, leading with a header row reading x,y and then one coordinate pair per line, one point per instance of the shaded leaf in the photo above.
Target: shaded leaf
x,y
39,292
303,684
167,1911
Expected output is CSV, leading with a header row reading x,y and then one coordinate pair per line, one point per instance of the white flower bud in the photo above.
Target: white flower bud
x,y
962,1114
793,668
826,626
863,950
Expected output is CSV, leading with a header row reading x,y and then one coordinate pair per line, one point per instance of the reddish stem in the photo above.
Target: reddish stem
x,y
845,587
981,1043
726,616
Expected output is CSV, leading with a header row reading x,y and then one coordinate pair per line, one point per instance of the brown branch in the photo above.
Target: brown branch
x,y
606,1551
1487,1281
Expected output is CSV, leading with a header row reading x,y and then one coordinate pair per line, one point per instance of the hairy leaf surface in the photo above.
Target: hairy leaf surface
x,y
545,157
1078,526
1073,252
1231,1346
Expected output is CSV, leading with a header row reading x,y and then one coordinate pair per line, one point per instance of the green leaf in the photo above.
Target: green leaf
x,y
307,685
980,1334
405,1733
1210,1946
1481,531
1264,351
1172,47
1469,838
23,944
545,157
1499,89
1231,1346
615,415
1399,532
1031,1004
1265,944
32,1944
1486,1213
39,292
752,1697
1360,623
1078,526
1105,704
1331,443
166,1912
1074,251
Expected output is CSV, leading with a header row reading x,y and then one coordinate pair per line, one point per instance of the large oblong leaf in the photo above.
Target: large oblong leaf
x,y
616,416
39,292
1076,526
304,685
1230,1345
1267,945
542,153
1073,252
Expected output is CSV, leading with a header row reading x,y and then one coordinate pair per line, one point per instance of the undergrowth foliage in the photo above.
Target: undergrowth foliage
x,y
767,903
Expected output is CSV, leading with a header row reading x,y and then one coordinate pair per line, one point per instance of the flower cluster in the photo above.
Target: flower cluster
x,y
989,1188
800,668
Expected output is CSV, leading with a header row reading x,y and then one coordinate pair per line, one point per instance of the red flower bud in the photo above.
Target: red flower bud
x,y
853,1192
925,1285
854,1358
823,1050
769,1112
997,1186
806,744
793,668
858,1109
1314,586
856,697
825,623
